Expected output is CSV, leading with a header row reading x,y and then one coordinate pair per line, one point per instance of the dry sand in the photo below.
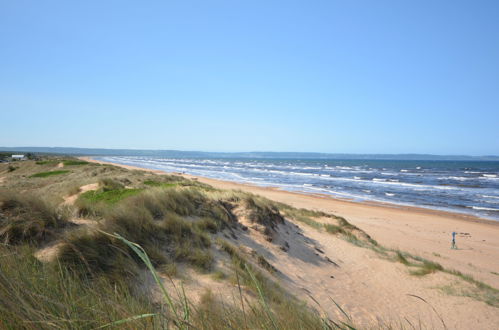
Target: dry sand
x,y
374,290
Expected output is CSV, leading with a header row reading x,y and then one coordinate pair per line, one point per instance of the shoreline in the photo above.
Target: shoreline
x,y
367,203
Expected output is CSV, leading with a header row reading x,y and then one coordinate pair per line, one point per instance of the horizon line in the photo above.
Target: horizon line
x,y
255,151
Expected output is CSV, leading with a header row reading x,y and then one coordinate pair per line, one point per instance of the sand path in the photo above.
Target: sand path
x,y
70,200
50,251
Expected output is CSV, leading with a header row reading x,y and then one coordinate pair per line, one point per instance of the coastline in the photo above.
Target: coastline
x,y
225,184
421,231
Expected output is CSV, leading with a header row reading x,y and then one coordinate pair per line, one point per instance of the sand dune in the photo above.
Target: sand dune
x,y
371,289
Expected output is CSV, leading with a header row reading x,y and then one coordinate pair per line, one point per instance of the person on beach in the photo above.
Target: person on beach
x,y
453,246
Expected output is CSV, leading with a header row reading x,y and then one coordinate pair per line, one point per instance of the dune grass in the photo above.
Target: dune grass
x,y
34,295
47,174
156,219
28,219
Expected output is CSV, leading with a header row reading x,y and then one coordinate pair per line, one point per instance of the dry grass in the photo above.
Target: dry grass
x,y
29,219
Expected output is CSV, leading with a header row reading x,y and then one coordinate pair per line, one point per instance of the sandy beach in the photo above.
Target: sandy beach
x,y
369,286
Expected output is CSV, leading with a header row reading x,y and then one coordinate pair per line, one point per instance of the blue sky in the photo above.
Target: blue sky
x,y
326,76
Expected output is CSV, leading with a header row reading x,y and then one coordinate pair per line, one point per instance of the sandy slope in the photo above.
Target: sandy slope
x,y
374,290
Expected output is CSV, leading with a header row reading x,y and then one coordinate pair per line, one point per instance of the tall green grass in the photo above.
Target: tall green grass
x,y
34,295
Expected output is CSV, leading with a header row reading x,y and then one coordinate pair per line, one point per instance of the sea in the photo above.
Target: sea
x,y
470,187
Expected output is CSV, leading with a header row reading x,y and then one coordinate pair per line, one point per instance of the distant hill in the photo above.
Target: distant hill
x,y
256,154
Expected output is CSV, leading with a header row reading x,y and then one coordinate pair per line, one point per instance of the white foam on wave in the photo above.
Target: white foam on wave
x,y
404,170
389,194
488,196
483,208
490,175
458,178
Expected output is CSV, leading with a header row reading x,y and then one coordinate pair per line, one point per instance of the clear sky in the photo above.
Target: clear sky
x,y
345,76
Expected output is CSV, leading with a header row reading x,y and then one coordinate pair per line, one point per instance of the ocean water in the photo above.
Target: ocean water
x,y
470,187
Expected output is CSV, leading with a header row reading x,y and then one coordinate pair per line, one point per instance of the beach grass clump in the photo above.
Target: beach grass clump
x,y
47,174
166,239
263,211
477,290
400,257
107,184
188,202
28,219
333,229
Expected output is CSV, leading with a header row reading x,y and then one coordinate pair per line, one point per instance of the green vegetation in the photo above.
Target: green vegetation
x,y
11,168
47,174
166,241
153,183
426,268
333,229
109,196
34,295
74,162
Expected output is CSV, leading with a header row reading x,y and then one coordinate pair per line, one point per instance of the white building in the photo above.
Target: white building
x,y
18,157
